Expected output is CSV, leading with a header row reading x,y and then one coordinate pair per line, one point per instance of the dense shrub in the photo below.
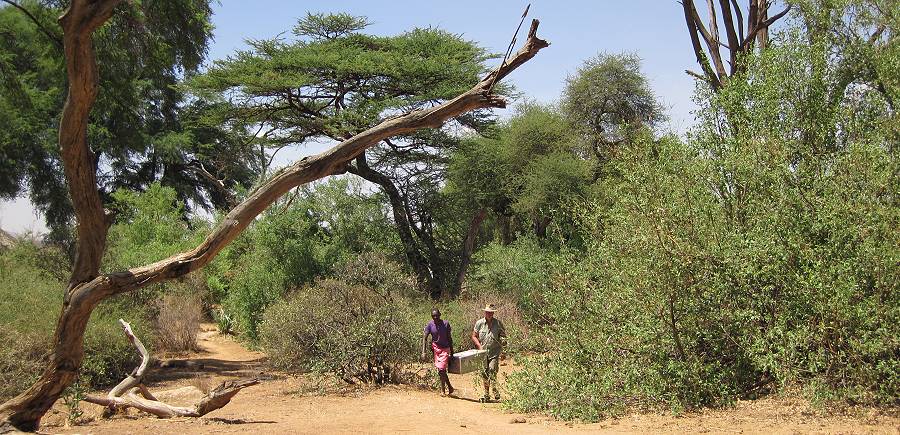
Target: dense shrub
x,y
742,262
257,285
356,325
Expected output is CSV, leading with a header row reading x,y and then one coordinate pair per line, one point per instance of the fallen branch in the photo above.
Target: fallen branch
x,y
131,392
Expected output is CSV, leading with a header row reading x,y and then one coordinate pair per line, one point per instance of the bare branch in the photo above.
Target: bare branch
x,y
734,44
197,166
712,41
764,25
137,376
132,393
740,19
689,19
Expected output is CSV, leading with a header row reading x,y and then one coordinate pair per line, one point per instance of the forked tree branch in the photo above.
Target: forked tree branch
x,y
710,58
131,392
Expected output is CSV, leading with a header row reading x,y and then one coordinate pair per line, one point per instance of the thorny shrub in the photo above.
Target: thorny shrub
x,y
356,325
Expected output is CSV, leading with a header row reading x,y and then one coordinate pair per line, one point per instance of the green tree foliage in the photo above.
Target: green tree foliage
x,y
759,255
149,227
332,81
140,130
608,101
292,245
527,169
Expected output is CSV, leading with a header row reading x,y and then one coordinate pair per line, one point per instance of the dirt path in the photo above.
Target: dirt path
x,y
287,404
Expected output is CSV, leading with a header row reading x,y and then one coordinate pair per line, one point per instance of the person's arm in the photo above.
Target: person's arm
x,y
425,343
502,333
450,338
475,338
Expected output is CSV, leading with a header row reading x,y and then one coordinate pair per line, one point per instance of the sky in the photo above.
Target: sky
x,y
577,30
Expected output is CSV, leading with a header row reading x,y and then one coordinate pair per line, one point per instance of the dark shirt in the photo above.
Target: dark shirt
x,y
440,333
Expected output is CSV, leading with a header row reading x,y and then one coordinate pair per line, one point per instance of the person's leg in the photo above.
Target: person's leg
x,y
486,379
446,379
493,368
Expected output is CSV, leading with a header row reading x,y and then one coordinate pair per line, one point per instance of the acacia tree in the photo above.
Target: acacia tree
x,y
523,172
334,81
87,287
608,101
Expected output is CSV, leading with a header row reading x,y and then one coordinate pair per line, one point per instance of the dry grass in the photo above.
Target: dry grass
x,y
22,356
178,322
202,383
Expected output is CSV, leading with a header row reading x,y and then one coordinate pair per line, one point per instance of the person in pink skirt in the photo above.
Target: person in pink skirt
x,y
441,346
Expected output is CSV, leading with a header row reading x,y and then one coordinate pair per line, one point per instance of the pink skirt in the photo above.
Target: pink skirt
x,y
441,356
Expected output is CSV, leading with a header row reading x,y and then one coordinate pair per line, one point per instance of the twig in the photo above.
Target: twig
x,y
52,37
512,44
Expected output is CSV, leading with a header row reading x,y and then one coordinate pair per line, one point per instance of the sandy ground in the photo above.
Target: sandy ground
x,y
288,404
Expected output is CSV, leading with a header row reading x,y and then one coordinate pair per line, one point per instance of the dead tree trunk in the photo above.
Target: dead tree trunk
x,y
740,38
131,392
87,287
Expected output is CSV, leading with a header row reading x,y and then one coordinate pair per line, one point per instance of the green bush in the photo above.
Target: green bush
x,y
357,325
517,272
257,285
689,300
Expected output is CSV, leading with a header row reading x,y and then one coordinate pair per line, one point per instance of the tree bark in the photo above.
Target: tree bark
x,y
505,223
468,248
417,261
758,22
87,287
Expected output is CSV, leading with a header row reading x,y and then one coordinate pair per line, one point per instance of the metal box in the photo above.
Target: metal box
x,y
467,362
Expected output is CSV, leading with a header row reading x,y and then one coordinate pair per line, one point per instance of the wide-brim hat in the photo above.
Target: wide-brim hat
x,y
490,308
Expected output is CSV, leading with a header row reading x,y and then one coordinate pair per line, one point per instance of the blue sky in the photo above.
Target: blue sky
x,y
577,30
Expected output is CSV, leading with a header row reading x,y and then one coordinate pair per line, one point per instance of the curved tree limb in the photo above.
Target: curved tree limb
x,y
137,376
87,287
304,171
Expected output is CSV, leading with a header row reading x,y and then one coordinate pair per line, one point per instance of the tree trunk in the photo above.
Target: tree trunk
x,y
540,227
87,287
417,261
506,232
468,248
